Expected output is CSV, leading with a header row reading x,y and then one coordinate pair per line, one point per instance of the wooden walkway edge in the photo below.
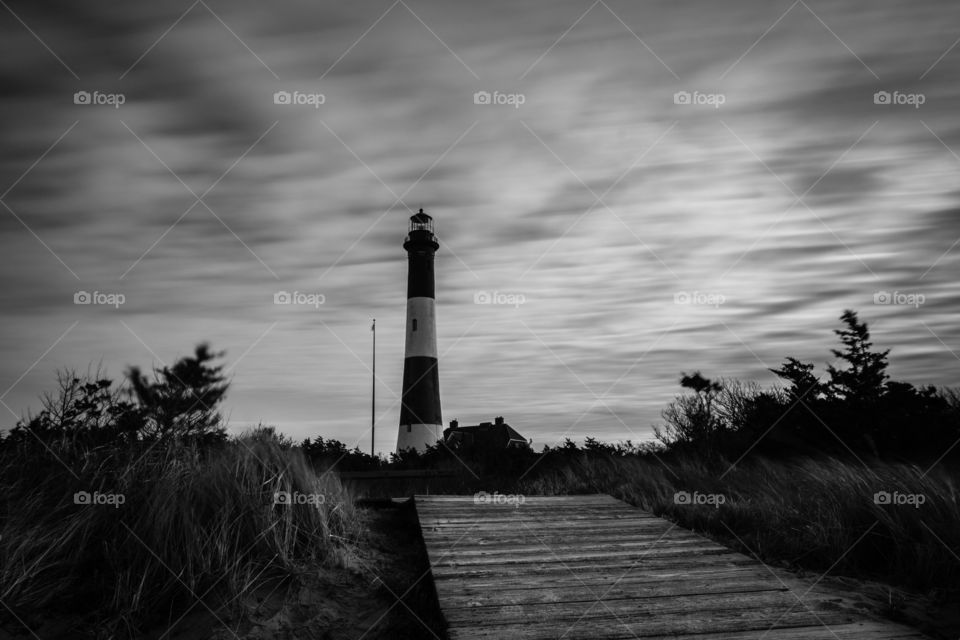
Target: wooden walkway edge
x,y
596,567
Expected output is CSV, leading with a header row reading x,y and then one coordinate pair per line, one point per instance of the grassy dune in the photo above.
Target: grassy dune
x,y
814,514
189,523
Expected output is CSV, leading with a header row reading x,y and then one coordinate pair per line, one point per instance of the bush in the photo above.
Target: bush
x,y
179,404
332,454
857,412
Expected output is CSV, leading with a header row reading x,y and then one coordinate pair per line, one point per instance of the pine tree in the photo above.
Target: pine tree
x,y
803,384
181,401
864,379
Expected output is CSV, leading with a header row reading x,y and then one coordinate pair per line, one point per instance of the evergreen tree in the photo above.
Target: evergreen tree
x,y
864,378
803,384
181,401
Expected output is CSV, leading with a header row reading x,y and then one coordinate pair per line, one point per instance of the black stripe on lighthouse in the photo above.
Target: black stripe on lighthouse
x,y
420,275
421,398
421,424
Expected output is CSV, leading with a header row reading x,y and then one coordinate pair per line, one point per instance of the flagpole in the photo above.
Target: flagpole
x,y
373,389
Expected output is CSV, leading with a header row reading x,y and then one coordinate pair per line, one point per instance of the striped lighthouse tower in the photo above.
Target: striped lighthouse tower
x,y
420,421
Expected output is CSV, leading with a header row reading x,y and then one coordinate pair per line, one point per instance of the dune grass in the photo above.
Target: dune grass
x,y
809,513
205,523
165,526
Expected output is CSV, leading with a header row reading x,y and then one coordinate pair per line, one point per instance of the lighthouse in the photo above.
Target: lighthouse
x,y
420,421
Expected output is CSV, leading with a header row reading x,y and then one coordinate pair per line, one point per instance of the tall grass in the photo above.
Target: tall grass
x,y
193,524
815,514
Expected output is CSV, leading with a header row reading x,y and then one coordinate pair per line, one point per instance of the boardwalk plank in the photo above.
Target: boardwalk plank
x,y
574,590
847,631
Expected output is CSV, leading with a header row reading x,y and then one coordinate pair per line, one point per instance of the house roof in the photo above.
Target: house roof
x,y
499,432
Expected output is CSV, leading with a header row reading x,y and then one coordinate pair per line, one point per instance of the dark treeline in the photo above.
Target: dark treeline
x,y
88,411
855,411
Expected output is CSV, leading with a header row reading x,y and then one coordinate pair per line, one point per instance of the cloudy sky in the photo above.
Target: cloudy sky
x,y
652,187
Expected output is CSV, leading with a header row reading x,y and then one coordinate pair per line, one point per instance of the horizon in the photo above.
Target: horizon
x,y
621,194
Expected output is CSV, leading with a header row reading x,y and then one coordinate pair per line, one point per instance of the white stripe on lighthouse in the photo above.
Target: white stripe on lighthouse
x,y
419,437
421,341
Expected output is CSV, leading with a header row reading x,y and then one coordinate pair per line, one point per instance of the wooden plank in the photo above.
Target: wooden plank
x,y
588,498
564,547
594,567
760,605
573,590
725,561
500,522
531,529
528,505
670,624
390,474
514,536
503,519
571,544
598,576
845,631
625,556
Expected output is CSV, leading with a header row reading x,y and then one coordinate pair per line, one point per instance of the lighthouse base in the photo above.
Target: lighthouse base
x,y
418,436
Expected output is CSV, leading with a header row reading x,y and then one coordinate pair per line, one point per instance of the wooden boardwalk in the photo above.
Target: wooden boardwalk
x,y
595,567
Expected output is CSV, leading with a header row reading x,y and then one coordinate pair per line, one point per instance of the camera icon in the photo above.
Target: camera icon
x,y
482,297
882,497
481,497
82,297
481,97
81,497
281,497
882,297
881,97
681,97
81,97
682,497
681,297
282,97
282,297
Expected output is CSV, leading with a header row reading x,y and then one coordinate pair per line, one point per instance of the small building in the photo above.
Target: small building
x,y
493,435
